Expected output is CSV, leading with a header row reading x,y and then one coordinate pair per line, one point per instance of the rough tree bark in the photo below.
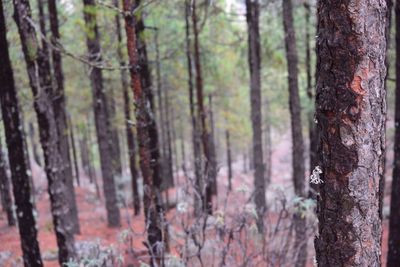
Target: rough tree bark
x,y
128,121
5,189
394,222
16,156
102,116
146,132
49,137
210,166
297,135
197,162
254,59
58,99
350,114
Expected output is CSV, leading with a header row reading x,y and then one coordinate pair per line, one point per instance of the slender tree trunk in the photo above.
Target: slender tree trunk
x,y
311,124
35,151
74,154
297,135
183,150
102,116
351,114
229,160
162,121
168,140
198,196
49,137
394,222
128,121
146,132
213,149
267,145
17,157
389,4
312,129
210,171
60,113
5,188
254,58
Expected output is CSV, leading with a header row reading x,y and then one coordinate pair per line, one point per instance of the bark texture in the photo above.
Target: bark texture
x,y
102,115
17,158
146,132
60,112
298,163
38,73
351,113
254,59
128,125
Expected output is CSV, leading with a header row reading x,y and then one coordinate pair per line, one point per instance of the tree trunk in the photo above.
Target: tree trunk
x,y
74,154
213,149
198,196
60,113
128,121
5,189
146,132
229,160
297,135
102,115
168,152
254,58
267,145
32,137
310,94
351,114
49,137
394,222
17,157
210,170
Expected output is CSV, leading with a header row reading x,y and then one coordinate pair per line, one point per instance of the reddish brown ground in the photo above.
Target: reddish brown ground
x,y
93,221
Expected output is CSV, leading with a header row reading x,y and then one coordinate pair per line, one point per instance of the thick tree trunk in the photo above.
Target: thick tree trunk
x,y
351,114
38,74
146,132
5,189
229,160
254,59
394,223
198,195
128,121
210,166
17,157
102,116
297,135
60,113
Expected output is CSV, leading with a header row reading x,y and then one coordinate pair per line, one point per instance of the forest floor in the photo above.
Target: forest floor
x,y
94,225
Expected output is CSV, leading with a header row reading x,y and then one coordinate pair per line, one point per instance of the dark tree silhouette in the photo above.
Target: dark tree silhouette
x,y
254,59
